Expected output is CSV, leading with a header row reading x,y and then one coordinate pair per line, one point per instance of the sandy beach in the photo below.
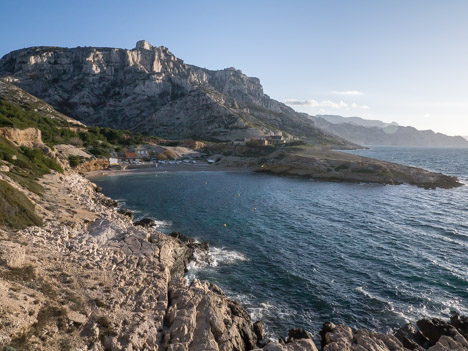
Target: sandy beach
x,y
186,167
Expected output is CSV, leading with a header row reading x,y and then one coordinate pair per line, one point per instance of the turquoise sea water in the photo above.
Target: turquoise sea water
x,y
298,253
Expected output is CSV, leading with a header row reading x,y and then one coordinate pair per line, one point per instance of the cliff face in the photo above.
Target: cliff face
x,y
385,134
30,137
148,89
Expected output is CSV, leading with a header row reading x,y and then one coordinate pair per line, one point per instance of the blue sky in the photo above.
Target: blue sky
x,y
395,60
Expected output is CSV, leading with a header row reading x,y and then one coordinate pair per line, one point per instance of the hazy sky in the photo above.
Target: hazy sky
x,y
403,61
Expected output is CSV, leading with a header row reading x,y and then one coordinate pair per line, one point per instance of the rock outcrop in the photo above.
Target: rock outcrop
x,y
359,170
148,89
30,137
93,165
329,165
433,335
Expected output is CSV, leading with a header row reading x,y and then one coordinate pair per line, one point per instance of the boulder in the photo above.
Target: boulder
x,y
146,222
13,255
433,329
296,334
411,338
259,330
460,322
126,212
109,202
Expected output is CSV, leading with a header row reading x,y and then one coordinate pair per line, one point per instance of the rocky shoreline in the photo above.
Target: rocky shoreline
x,y
91,279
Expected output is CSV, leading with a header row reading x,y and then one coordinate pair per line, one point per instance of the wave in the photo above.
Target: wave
x,y
158,224
261,311
216,256
224,256
162,224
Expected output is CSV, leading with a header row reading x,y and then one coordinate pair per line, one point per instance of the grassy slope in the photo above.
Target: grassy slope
x,y
16,210
21,110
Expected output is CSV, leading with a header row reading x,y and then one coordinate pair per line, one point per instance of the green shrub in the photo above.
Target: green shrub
x,y
26,164
74,160
16,211
54,131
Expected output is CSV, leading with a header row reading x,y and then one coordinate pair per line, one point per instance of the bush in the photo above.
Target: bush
x,y
74,160
99,151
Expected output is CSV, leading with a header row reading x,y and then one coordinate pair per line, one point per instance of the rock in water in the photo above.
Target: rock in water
x,y
126,212
146,222
259,330
296,334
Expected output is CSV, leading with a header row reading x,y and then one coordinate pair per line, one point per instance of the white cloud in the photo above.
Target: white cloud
x,y
325,103
427,115
348,92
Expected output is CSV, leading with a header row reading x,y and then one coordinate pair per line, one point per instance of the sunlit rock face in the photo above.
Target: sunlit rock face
x,y
148,89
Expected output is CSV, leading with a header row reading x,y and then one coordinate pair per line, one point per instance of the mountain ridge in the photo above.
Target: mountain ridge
x,y
148,89
372,133
337,119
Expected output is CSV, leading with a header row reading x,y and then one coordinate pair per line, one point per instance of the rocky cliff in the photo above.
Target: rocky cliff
x,y
30,137
148,89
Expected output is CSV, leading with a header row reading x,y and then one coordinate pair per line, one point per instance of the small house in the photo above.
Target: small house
x,y
113,161
276,139
130,157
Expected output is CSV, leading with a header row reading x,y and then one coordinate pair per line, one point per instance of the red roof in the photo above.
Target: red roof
x,y
130,155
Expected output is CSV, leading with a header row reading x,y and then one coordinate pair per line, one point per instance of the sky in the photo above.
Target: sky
x,y
392,60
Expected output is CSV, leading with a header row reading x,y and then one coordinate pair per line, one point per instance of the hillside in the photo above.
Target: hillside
x,y
373,132
149,90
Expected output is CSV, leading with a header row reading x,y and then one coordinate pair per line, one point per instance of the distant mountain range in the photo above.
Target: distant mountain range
x,y
335,119
374,132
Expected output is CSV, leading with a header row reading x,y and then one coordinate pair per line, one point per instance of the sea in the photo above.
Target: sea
x,y
298,253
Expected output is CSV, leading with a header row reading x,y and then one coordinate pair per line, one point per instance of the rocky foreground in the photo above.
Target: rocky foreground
x,y
90,279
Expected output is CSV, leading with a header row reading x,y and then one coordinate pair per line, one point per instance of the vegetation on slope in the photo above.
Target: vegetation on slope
x,y
60,131
26,164
16,211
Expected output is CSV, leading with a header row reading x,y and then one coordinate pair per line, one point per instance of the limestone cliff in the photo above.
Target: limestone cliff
x,y
148,89
30,137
